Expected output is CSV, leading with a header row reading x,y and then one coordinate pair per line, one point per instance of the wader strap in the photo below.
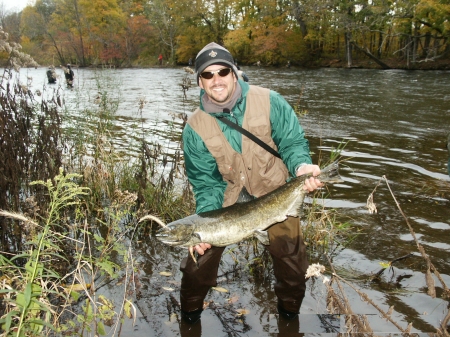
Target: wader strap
x,y
251,136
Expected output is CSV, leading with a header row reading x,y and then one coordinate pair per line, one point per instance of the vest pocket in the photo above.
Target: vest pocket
x,y
271,171
224,163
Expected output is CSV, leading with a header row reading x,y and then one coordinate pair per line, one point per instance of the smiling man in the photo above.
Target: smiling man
x,y
225,167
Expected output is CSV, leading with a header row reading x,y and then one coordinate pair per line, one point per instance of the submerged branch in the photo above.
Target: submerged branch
x,y
378,274
430,266
360,321
386,315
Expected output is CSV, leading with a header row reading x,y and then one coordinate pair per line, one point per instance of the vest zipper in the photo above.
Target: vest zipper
x,y
235,119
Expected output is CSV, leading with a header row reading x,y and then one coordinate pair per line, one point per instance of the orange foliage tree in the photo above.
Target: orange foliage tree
x,y
135,32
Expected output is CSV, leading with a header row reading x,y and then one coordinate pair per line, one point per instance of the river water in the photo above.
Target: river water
x,y
394,124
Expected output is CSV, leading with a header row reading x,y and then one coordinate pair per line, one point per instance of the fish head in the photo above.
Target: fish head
x,y
177,233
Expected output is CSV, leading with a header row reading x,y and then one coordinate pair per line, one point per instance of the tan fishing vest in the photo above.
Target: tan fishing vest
x,y
256,169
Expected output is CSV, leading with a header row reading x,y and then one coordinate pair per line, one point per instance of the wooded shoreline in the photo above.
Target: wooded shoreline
x,y
443,64
392,63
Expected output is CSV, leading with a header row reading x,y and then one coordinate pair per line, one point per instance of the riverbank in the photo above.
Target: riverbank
x,y
366,63
439,64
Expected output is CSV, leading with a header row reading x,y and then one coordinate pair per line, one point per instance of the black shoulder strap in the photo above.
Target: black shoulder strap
x,y
250,135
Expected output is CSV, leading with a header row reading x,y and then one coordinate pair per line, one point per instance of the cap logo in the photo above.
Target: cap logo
x,y
212,54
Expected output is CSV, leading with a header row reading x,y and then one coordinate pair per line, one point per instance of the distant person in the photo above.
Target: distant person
x,y
242,76
448,148
51,75
68,73
190,62
160,59
288,65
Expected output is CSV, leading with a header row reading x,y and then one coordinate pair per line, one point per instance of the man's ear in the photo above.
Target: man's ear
x,y
200,83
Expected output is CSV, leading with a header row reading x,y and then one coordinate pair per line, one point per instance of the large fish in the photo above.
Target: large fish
x,y
235,223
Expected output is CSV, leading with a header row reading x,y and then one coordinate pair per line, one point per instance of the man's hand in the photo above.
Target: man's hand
x,y
311,183
201,247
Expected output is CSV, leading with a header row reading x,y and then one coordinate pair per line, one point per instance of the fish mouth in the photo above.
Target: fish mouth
x,y
166,238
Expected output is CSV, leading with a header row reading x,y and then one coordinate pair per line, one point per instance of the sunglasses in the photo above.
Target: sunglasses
x,y
207,75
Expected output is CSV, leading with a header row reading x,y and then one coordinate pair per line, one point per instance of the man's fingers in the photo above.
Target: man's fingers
x,y
308,168
201,247
316,171
312,184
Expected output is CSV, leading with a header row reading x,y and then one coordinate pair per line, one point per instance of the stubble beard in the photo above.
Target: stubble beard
x,y
216,96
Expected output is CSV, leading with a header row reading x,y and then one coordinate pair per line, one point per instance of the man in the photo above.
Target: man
x,y
241,75
448,148
68,73
51,75
221,163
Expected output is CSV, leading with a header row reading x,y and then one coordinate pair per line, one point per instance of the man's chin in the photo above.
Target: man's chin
x,y
220,100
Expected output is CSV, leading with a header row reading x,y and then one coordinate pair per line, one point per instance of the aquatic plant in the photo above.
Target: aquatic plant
x,y
30,277
30,149
72,199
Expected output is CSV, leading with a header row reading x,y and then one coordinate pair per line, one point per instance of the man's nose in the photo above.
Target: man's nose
x,y
216,76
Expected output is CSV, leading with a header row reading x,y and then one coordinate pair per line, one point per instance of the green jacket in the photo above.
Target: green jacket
x,y
201,167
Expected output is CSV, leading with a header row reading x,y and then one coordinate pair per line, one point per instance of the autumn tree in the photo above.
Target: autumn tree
x,y
214,18
137,32
161,15
37,39
10,22
432,18
70,30
191,38
304,32
104,25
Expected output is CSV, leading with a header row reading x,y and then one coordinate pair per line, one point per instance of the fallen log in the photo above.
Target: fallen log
x,y
369,54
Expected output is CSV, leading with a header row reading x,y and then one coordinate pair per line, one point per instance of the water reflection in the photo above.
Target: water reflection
x,y
395,125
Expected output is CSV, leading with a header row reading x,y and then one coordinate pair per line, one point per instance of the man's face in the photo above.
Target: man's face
x,y
219,89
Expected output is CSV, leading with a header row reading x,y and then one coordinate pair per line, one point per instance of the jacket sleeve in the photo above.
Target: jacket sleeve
x,y
288,134
202,172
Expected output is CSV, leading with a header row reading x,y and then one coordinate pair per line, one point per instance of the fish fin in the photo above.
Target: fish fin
x,y
191,251
297,206
262,236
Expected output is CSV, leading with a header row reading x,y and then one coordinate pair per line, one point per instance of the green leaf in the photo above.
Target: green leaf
x,y
109,267
385,264
25,255
127,309
27,295
36,325
98,238
20,300
36,290
31,265
41,323
88,307
6,322
101,328
75,295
